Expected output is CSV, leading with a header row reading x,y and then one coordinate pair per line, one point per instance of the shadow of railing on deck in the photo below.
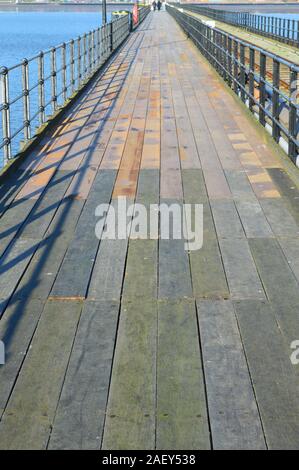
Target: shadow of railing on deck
x,y
48,242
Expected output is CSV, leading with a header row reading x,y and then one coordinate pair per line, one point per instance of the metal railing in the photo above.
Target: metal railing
x,y
143,12
267,84
32,91
282,29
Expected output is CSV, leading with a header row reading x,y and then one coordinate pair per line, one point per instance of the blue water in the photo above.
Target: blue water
x,y
25,34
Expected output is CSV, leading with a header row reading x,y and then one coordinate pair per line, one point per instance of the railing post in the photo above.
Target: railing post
x,y
102,43
242,72
262,100
89,55
5,114
26,103
224,55
92,51
72,65
275,100
229,60
235,58
84,55
41,88
53,80
251,77
79,59
98,49
292,150
63,67
111,36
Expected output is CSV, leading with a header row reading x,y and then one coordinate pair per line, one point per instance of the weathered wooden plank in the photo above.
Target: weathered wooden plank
x,y
40,217
174,270
108,271
33,402
14,263
151,146
141,276
208,277
127,177
10,188
274,378
17,327
194,186
148,187
240,185
261,181
225,150
288,188
182,421
280,218
171,183
74,274
216,184
113,154
41,272
227,221
253,219
279,283
233,412
290,248
130,421
80,416
12,220
241,273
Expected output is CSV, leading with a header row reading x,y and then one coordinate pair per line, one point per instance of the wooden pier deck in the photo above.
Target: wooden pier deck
x,y
139,344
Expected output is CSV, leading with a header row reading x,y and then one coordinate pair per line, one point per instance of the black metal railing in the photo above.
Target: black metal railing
x,y
32,91
281,29
267,84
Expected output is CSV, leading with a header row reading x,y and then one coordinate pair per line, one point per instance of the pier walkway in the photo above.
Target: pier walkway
x,y
140,344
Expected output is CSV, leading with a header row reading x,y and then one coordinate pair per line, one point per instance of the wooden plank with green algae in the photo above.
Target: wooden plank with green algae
x,y
233,411
289,189
130,421
207,271
32,404
81,411
194,188
141,276
241,273
275,379
280,284
182,421
17,326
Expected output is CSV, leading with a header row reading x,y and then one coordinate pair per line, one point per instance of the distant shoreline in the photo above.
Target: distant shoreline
x,y
59,6
280,7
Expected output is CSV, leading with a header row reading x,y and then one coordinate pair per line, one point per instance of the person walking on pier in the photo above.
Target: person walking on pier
x,y
154,5
159,4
